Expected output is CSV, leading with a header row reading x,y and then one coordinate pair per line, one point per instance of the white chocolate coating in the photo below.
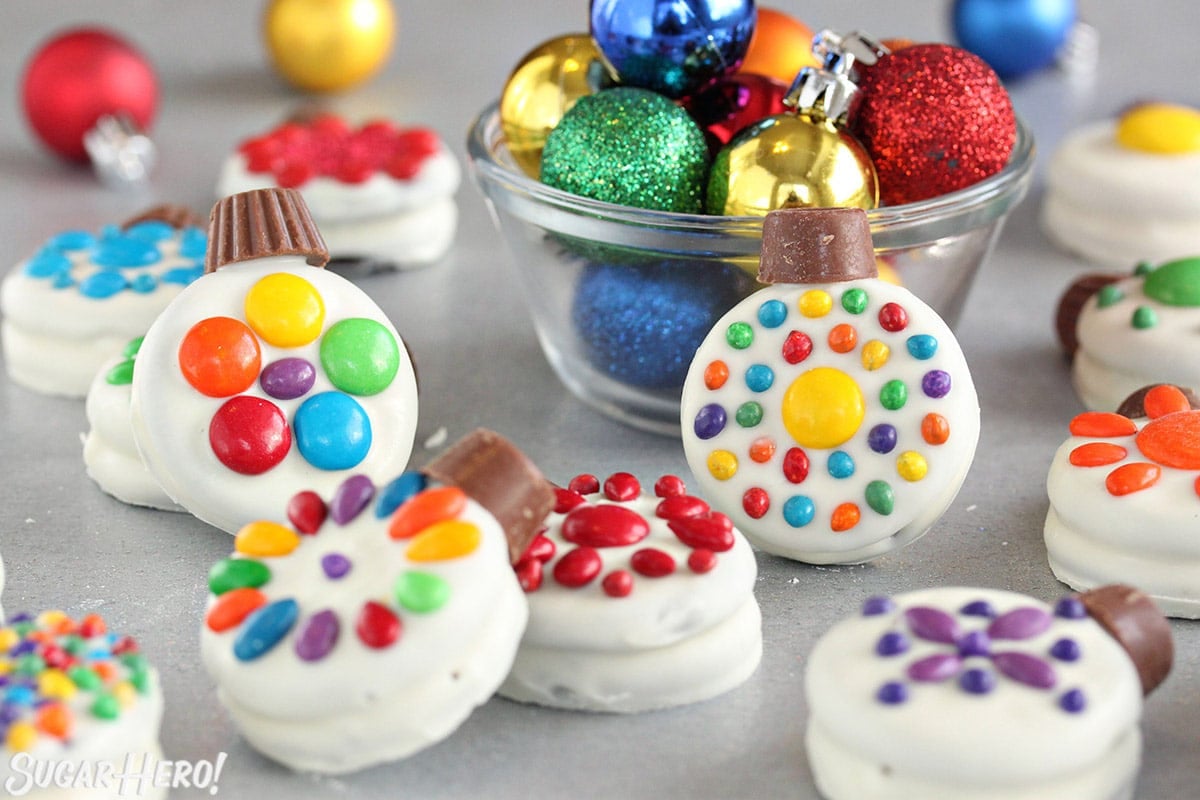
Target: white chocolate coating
x,y
918,499
109,450
55,336
359,706
406,223
1115,359
1116,206
1014,742
675,639
1146,539
171,419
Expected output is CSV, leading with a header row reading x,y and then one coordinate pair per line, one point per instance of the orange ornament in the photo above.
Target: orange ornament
x,y
780,47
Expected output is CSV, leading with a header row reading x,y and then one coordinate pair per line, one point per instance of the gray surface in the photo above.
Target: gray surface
x,y
67,545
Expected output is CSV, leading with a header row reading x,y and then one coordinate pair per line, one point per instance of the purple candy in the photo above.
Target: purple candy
x,y
932,624
975,643
936,383
9,713
351,498
892,693
1021,623
710,421
1066,650
877,605
335,565
892,643
1070,607
978,608
1073,701
1026,669
317,636
977,681
288,378
937,667
882,438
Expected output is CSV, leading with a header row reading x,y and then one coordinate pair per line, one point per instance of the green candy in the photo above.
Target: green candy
x,y
421,592
84,678
106,706
1144,318
749,414
739,335
360,356
237,573
854,301
1175,283
893,395
880,497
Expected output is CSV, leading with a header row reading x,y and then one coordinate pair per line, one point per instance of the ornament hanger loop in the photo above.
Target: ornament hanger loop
x,y
827,92
121,154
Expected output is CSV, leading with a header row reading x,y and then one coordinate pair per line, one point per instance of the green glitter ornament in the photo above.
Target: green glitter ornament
x,y
631,147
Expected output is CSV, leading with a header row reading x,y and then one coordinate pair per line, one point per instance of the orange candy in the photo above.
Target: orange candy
x,y
761,450
715,374
220,357
422,510
780,47
1130,478
1097,454
1163,400
233,607
843,338
54,719
935,429
844,517
1173,440
1102,423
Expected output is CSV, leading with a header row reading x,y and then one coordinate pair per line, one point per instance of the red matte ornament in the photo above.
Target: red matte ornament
x,y
934,119
79,76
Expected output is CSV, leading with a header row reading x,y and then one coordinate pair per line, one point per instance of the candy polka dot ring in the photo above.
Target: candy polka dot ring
x,y
369,624
831,415
269,373
1125,499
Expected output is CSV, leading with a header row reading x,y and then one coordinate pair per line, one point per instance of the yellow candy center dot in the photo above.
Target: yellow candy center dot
x,y
815,303
285,310
265,539
1160,128
444,540
911,466
722,464
823,408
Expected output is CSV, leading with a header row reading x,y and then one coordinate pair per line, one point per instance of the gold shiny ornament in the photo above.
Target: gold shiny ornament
x,y
790,161
542,87
328,45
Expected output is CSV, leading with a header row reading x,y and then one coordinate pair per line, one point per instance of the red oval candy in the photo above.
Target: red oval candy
x,y
578,567
604,526
711,532
681,507
652,562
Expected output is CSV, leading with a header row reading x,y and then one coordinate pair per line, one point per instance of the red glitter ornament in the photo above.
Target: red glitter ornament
x,y
935,119
78,77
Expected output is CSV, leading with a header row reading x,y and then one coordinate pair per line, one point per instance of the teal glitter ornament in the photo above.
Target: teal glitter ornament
x,y
631,147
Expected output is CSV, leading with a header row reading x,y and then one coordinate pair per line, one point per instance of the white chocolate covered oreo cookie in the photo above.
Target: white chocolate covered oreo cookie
x,y
831,415
370,623
83,295
638,600
380,193
269,373
983,694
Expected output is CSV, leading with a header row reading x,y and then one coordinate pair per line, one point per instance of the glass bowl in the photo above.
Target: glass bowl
x,y
621,297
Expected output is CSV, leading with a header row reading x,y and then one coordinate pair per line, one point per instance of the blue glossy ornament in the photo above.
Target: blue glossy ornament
x,y
641,324
1015,37
673,47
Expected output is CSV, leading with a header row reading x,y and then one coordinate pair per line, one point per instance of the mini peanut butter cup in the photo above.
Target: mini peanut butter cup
x,y
1132,618
816,245
260,224
175,215
1070,305
498,476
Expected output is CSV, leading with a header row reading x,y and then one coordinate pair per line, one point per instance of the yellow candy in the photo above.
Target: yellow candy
x,y
55,683
722,464
5,665
815,303
265,539
52,620
21,737
444,540
8,639
911,466
1160,128
285,310
875,354
823,408
125,693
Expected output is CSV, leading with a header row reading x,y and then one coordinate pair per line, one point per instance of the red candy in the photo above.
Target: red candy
x,y
713,531
541,548
249,435
377,625
795,465
681,507
306,511
618,583
796,347
584,484
652,562
756,502
566,499
621,487
604,526
893,318
578,567
529,573
669,486
701,561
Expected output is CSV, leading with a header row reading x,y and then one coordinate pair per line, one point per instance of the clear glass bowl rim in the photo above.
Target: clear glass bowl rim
x,y
893,227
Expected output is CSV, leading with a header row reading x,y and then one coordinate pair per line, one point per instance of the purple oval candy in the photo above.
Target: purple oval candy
x,y
936,383
1026,669
710,420
351,498
932,624
288,378
1066,649
877,605
975,643
1020,623
317,635
891,643
937,667
335,565
977,681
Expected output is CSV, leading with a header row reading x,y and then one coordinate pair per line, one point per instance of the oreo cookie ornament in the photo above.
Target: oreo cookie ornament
x,y
832,414
368,623
268,373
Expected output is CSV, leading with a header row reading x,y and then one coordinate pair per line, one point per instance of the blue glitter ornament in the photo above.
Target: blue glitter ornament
x,y
672,46
641,324
1015,37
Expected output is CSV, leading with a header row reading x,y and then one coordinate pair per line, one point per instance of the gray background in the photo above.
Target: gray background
x,y
68,545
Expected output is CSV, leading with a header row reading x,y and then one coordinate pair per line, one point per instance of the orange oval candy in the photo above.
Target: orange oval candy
x,y
844,517
220,357
1130,478
1165,399
55,719
843,338
1097,454
935,429
233,607
424,509
1102,423
761,450
715,374
1173,440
